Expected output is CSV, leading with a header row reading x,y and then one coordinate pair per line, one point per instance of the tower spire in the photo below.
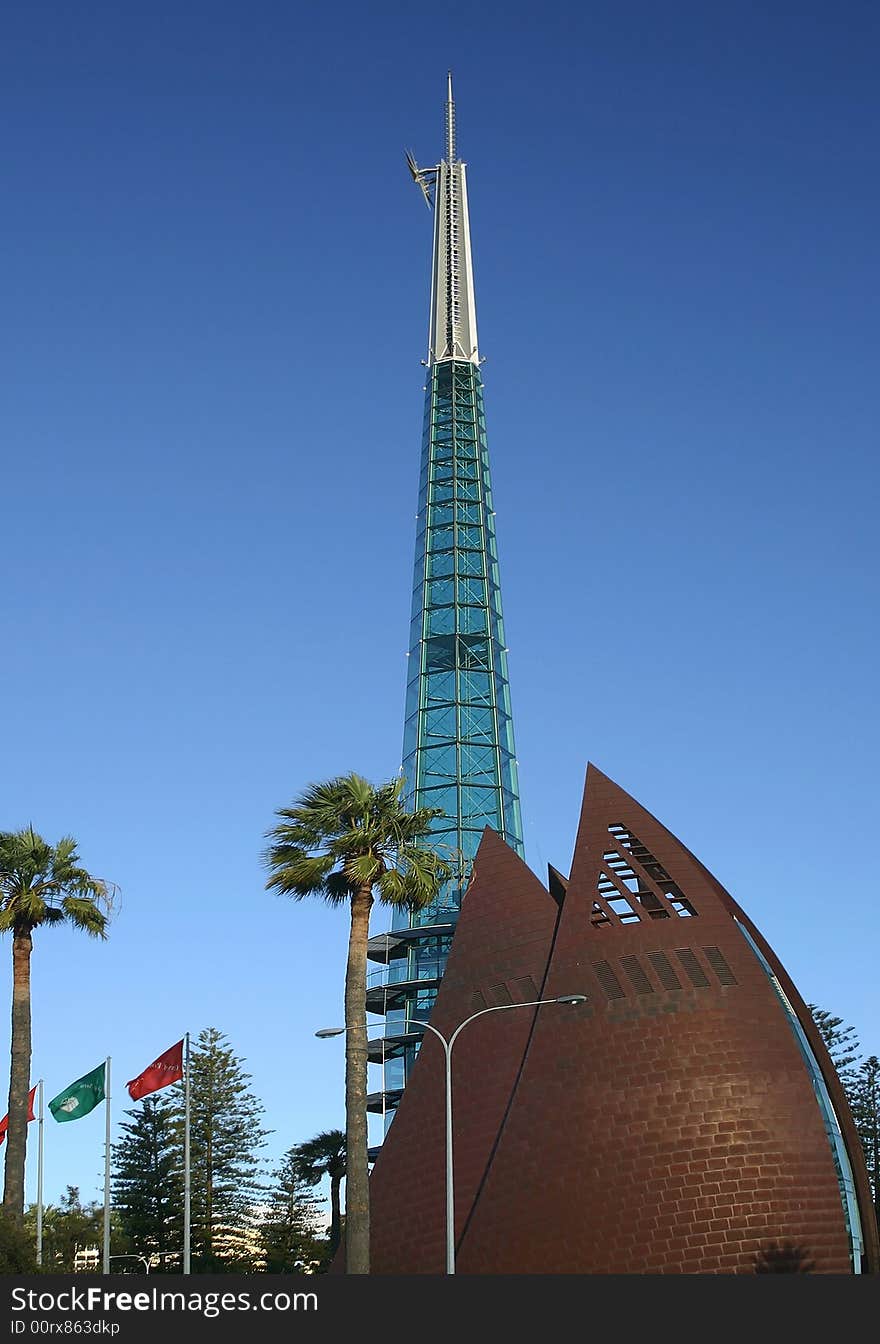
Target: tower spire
x,y
453,328
453,332
450,121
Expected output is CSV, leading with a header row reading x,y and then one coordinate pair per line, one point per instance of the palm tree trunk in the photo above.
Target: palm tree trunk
x,y
357,1186
19,1077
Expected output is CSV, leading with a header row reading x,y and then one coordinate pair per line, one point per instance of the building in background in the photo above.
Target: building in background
x,y
458,751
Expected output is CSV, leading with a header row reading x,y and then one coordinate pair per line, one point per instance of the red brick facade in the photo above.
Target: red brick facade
x,y
668,1125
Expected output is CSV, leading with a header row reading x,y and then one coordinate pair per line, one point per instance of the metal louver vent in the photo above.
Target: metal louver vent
x,y
664,970
637,975
608,980
694,970
716,960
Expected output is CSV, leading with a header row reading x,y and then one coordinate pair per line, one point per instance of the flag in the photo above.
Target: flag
x,y
81,1097
164,1070
4,1123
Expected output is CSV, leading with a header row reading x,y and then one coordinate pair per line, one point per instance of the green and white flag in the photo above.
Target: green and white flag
x,y
81,1097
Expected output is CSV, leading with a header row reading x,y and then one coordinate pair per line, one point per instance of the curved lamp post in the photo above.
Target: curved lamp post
x,y
447,1050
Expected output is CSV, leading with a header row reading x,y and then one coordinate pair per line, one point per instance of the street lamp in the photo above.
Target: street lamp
x,y
572,999
145,1260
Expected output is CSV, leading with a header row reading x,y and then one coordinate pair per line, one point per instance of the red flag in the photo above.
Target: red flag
x,y
164,1070
4,1123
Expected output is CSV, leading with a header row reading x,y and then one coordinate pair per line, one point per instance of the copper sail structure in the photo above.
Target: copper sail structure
x,y
458,751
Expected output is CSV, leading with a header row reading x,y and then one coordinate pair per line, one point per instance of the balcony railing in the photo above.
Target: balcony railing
x,y
403,971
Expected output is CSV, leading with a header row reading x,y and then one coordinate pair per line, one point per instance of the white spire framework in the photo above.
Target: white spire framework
x,y
453,328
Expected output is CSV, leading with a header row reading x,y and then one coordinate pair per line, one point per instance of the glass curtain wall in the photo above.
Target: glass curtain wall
x,y
458,749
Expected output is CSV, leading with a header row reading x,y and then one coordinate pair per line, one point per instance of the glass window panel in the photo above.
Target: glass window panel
x,y
442,796
472,591
442,621
441,538
469,562
439,566
412,697
440,686
473,652
440,593
439,723
477,725
439,653
478,759
473,620
441,515
475,687
470,536
439,764
441,493
470,841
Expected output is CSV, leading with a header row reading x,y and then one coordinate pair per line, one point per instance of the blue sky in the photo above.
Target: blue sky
x,y
214,276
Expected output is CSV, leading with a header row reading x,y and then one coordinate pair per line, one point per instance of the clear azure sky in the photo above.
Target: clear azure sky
x,y
215,294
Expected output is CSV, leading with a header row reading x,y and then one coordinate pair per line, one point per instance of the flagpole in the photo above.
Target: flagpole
x,y
40,1175
106,1265
186,1173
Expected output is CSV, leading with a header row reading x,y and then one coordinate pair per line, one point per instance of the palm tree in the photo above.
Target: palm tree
x,y
324,1155
343,840
40,884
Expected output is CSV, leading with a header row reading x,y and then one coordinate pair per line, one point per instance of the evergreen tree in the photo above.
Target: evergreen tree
x,y
842,1044
865,1105
148,1182
68,1227
17,1255
291,1236
225,1138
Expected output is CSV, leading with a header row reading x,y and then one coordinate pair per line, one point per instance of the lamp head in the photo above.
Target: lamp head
x,y
329,1031
572,998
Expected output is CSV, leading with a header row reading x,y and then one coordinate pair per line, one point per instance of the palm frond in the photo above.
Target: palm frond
x,y
347,834
297,873
84,914
42,883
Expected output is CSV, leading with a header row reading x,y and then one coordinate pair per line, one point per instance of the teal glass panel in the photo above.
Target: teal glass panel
x,y
442,565
439,763
440,593
441,621
436,723
471,591
473,620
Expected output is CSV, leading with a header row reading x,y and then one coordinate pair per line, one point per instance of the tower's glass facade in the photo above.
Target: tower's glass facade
x,y
458,749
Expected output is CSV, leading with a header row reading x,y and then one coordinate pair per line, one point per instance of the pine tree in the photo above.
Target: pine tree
x,y
225,1138
865,1105
148,1182
291,1236
842,1044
